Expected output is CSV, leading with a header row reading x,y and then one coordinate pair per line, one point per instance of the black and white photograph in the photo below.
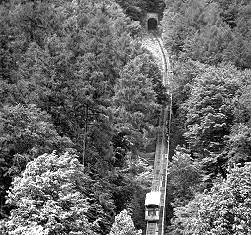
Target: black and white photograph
x,y
125,117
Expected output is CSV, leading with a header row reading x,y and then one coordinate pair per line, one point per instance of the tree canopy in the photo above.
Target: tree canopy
x,y
123,225
51,196
209,46
80,102
209,31
223,210
64,67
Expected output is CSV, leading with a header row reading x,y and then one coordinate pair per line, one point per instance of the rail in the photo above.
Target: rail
x,y
159,182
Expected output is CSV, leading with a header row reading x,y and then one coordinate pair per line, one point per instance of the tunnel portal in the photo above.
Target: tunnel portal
x,y
152,24
152,21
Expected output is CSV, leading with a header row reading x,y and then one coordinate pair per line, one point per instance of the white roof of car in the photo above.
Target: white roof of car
x,y
152,198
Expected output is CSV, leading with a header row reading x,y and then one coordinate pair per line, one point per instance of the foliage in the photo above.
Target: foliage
x,y
76,70
61,64
210,108
26,132
123,225
73,74
28,129
209,31
210,114
51,196
139,173
137,9
209,44
135,103
201,94
67,63
245,103
223,210
184,76
239,144
184,178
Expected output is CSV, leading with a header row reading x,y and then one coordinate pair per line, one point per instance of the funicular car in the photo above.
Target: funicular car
x,y
152,206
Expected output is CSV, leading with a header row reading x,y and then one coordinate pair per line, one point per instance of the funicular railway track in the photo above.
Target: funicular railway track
x,y
155,225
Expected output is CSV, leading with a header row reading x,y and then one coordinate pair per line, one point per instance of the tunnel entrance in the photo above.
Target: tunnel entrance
x,y
152,24
151,21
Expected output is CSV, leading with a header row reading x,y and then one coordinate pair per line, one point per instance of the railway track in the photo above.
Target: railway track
x,y
159,183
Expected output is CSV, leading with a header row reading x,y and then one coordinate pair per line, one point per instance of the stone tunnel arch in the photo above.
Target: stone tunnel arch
x,y
152,21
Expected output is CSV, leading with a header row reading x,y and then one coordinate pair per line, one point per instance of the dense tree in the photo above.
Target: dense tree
x,y
123,225
135,103
185,73
210,108
211,104
137,9
245,103
239,144
26,132
236,15
63,73
51,196
61,65
67,58
231,86
73,74
184,178
211,114
209,31
183,182
223,210
139,174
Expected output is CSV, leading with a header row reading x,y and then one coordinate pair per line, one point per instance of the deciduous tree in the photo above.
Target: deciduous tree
x,y
123,225
223,210
26,132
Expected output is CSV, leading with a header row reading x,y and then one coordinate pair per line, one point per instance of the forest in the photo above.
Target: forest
x,y
80,100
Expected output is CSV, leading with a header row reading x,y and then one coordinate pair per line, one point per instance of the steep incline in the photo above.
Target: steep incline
x,y
154,44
